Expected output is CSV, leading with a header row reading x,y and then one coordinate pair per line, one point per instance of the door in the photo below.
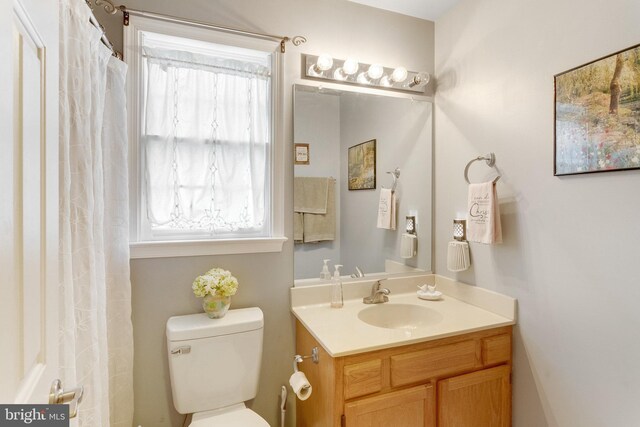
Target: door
x,y
28,199
407,408
479,399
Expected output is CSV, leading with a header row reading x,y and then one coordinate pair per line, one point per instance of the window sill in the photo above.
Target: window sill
x,y
180,248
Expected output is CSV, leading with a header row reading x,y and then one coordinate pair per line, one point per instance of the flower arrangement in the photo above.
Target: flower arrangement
x,y
215,282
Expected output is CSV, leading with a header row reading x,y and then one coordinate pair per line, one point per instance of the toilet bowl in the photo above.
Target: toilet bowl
x,y
214,365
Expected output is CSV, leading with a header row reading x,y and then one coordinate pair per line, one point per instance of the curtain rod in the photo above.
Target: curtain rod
x,y
111,8
105,40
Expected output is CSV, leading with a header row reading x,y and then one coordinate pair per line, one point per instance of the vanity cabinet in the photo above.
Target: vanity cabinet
x,y
488,389
410,407
461,381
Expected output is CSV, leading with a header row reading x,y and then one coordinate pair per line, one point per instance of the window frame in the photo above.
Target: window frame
x,y
196,247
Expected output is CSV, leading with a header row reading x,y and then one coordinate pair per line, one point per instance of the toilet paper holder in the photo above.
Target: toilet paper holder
x,y
315,358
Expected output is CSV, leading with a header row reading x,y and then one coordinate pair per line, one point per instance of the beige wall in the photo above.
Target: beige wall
x,y
161,288
570,253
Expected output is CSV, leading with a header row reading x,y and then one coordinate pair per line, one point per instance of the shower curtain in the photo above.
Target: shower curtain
x,y
96,334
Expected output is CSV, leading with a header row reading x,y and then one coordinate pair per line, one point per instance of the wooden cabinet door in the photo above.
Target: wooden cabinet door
x,y
479,399
407,408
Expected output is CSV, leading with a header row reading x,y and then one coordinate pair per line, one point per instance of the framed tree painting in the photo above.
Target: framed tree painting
x,y
597,115
362,166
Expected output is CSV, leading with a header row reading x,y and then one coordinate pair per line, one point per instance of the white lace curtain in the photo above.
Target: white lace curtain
x,y
96,334
205,143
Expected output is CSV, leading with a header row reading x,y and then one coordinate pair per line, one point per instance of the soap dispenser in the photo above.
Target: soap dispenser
x,y
336,289
325,274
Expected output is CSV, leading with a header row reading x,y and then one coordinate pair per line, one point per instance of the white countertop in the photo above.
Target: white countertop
x,y
341,332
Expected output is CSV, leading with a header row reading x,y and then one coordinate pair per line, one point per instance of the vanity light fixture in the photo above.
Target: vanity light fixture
x,y
350,71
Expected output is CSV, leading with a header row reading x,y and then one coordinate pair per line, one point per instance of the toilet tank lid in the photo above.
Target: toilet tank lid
x,y
194,326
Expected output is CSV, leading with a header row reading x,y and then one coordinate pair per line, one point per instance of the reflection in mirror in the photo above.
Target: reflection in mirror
x,y
333,222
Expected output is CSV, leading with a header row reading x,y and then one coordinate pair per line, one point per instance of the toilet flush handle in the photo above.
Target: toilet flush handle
x,y
185,349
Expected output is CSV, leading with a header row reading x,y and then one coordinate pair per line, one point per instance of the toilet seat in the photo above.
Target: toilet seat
x,y
234,416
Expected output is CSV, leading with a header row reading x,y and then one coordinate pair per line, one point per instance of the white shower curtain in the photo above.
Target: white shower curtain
x,y
96,334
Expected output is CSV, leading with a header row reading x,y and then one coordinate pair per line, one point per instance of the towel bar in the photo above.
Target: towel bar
x,y
491,162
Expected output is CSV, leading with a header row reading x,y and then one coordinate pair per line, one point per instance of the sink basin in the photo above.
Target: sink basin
x,y
399,316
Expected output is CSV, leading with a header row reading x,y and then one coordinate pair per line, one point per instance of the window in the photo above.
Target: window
x,y
204,138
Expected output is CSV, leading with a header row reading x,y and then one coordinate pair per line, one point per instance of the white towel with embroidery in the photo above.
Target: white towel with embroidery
x,y
483,214
387,209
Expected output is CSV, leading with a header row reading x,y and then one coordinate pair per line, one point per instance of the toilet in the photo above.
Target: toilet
x,y
214,365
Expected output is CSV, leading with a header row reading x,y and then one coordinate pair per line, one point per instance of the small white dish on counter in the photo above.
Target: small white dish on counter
x,y
431,296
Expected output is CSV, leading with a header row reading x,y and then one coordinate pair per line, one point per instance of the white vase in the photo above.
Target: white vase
x,y
216,306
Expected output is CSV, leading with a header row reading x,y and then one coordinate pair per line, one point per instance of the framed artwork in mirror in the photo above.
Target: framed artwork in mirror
x,y
301,153
362,166
597,115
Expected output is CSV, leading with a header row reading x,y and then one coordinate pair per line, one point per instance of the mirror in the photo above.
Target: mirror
x,y
329,128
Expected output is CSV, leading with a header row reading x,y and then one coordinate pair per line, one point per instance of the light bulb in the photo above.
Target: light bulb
x,y
399,75
314,71
386,81
363,79
324,62
375,71
350,66
420,79
339,74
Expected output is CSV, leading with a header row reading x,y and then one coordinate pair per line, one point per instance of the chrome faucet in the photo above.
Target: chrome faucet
x,y
358,273
378,295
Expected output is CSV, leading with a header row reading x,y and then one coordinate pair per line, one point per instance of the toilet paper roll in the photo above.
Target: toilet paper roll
x,y
300,385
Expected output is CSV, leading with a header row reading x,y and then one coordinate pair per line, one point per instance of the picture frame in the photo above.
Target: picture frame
x,y
597,115
301,154
361,159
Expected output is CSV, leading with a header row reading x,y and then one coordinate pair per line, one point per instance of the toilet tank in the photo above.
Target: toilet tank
x,y
214,363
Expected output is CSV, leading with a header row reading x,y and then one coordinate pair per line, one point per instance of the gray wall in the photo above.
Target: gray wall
x,y
402,129
317,123
161,287
570,254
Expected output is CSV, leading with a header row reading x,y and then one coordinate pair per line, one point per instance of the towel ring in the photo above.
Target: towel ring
x,y
491,162
396,175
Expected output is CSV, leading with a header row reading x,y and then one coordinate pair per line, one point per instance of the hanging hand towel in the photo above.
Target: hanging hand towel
x,y
387,209
483,215
317,227
310,194
298,226
393,210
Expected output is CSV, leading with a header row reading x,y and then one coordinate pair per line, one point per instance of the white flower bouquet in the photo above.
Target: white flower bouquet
x,y
215,282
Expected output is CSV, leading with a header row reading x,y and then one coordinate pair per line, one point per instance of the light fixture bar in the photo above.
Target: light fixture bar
x,y
350,71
